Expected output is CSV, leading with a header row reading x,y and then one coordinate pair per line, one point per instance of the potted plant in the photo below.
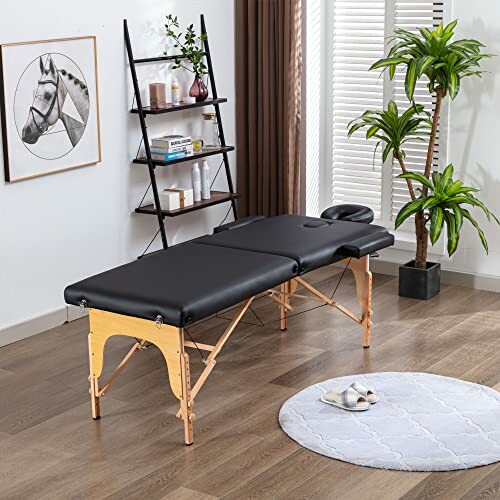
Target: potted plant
x,y
190,46
439,201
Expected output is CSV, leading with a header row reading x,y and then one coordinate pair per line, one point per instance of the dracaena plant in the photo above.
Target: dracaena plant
x,y
445,205
432,56
393,131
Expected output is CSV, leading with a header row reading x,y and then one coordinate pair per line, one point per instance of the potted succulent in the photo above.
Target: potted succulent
x,y
190,46
438,200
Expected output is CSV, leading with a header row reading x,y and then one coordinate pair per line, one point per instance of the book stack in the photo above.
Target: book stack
x,y
171,147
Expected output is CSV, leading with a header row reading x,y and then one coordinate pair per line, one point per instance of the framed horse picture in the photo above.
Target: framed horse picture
x,y
50,106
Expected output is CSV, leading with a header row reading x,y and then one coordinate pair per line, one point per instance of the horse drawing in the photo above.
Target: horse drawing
x,y
54,88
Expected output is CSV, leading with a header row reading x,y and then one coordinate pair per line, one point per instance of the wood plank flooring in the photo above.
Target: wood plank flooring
x,y
51,449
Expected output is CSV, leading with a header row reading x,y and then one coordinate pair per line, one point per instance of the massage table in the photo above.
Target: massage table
x,y
155,298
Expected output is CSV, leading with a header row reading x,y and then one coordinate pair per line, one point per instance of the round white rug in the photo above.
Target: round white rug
x,y
422,422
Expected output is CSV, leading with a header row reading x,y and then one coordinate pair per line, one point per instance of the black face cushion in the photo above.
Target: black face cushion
x,y
349,212
310,241
185,283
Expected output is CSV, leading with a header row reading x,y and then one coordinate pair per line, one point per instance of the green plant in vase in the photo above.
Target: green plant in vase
x,y
433,56
190,46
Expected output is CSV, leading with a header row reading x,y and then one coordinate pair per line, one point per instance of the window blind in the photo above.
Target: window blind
x,y
359,31
358,41
411,15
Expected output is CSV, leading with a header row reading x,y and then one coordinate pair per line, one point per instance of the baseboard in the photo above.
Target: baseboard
x,y
39,324
75,312
478,281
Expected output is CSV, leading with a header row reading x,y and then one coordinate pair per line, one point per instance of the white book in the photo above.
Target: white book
x,y
174,149
171,141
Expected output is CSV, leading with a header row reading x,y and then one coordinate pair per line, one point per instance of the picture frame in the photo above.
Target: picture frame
x,y
49,97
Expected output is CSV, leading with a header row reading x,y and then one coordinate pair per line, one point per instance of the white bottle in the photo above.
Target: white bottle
x,y
175,91
205,181
196,181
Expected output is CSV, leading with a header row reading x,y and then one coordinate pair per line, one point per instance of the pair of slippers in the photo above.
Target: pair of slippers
x,y
356,397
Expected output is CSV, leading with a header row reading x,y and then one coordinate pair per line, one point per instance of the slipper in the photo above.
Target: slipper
x,y
348,399
369,394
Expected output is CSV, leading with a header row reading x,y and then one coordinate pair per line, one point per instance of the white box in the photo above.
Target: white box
x,y
169,200
185,194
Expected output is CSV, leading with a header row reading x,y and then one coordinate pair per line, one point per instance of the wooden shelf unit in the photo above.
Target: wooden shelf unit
x,y
216,198
195,156
157,59
169,108
143,111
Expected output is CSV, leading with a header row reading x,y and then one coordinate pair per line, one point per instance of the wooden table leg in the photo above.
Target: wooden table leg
x,y
168,339
94,384
363,277
285,289
186,402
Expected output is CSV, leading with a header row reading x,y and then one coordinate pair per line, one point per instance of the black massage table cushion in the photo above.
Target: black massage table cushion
x,y
310,241
183,284
192,280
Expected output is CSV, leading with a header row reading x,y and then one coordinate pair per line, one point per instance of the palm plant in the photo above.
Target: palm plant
x,y
429,54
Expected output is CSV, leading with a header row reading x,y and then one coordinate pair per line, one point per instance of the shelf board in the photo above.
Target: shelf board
x,y
195,156
160,59
169,108
216,198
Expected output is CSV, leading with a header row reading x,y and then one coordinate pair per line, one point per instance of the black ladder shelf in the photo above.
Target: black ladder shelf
x,y
217,197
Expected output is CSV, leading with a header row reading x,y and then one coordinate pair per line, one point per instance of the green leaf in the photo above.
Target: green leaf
x,y
450,28
459,219
417,176
436,180
392,71
393,108
437,220
481,205
453,84
480,232
408,210
411,79
454,188
383,63
430,201
423,63
372,131
386,151
353,128
452,232
447,173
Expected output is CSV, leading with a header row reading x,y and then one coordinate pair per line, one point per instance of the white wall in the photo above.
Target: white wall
x,y
60,228
474,131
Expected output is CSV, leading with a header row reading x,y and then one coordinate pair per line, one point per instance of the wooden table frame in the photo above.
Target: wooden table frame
x,y
170,340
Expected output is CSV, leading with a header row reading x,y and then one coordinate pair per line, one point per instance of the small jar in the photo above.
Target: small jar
x,y
210,131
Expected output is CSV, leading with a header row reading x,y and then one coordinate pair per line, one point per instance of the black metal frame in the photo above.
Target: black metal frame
x,y
143,111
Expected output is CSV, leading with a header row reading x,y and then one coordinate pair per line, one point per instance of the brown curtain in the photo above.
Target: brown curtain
x,y
268,103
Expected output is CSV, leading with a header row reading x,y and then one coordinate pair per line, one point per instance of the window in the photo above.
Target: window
x,y
358,41
354,36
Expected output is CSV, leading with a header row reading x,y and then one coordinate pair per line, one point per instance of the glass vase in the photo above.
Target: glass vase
x,y
198,90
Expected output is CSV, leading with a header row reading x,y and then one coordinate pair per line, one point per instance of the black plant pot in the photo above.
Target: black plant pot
x,y
419,283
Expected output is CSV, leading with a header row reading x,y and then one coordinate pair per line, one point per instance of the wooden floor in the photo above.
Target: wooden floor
x,y
50,448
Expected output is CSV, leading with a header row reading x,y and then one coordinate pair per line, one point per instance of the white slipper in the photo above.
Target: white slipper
x,y
347,399
369,394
